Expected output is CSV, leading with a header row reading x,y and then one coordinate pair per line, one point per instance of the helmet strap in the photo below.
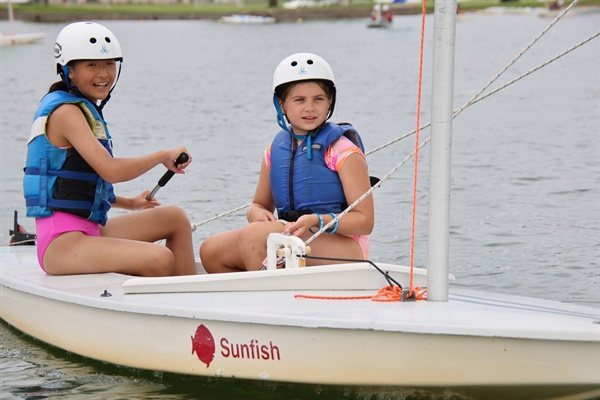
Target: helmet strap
x,y
309,146
280,116
64,74
284,126
103,102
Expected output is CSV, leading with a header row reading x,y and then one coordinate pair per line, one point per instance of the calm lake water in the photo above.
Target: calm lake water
x,y
525,215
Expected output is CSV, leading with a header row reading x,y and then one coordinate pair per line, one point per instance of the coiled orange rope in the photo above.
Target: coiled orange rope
x,y
386,294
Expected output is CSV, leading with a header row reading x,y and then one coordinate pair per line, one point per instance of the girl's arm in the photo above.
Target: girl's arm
x,y
262,206
67,126
355,181
138,202
360,220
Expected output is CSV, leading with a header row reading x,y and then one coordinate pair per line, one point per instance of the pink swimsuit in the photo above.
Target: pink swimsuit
x,y
48,229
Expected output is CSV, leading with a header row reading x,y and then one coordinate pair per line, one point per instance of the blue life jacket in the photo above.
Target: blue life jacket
x,y
302,186
60,179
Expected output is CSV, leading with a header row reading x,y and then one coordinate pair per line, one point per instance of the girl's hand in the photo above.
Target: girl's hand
x,y
301,226
140,202
173,155
256,213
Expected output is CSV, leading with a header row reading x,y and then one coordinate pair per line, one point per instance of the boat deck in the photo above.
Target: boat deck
x,y
270,297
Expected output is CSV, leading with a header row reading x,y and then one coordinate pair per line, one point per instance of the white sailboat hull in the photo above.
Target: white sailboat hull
x,y
248,19
20,38
475,344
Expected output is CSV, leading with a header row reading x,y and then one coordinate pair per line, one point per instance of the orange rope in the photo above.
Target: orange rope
x,y
386,294
416,168
394,293
307,296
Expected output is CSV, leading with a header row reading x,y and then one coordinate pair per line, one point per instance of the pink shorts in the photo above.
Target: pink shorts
x,y
48,229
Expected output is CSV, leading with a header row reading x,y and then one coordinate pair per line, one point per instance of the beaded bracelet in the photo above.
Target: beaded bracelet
x,y
320,224
335,224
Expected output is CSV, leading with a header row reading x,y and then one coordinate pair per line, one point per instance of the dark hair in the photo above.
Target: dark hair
x,y
60,85
283,91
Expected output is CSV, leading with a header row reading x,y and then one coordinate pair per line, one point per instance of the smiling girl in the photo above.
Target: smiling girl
x,y
309,174
70,170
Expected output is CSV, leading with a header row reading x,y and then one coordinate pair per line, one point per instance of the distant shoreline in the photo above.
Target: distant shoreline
x,y
279,13
69,14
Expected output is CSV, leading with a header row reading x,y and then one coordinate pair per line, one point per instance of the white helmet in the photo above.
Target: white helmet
x,y
85,41
302,67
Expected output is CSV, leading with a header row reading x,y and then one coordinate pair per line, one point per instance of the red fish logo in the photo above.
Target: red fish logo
x,y
203,344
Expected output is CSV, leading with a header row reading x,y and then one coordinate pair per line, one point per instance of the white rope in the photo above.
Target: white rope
x,y
194,226
456,113
367,193
474,99
28,241
514,60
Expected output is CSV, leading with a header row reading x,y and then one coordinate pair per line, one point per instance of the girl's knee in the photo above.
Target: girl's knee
x,y
178,214
174,220
210,251
206,248
161,262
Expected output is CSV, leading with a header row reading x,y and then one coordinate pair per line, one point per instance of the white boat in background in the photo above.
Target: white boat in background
x,y
20,38
324,325
13,38
381,16
248,19
379,24
509,10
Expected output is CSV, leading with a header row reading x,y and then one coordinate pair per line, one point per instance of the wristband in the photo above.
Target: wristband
x,y
335,224
320,224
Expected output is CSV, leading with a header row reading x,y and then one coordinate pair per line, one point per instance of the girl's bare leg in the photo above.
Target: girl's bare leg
x,y
76,253
127,246
333,246
246,248
170,223
253,243
220,252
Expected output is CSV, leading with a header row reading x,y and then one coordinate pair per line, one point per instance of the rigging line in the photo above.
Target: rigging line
x,y
391,281
376,149
367,193
194,226
529,46
224,214
475,99
28,241
458,111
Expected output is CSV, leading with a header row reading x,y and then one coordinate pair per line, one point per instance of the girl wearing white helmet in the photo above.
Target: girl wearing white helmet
x,y
309,174
70,170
